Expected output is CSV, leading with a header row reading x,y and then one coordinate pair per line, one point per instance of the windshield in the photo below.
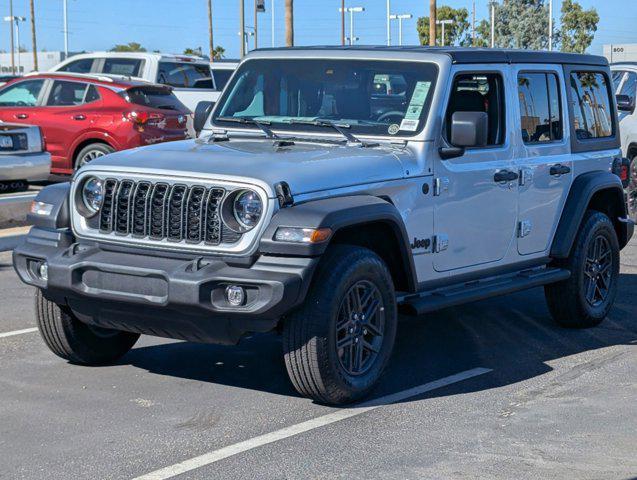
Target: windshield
x,y
365,97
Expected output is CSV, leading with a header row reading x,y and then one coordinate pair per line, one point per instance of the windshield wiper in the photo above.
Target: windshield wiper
x,y
251,121
339,127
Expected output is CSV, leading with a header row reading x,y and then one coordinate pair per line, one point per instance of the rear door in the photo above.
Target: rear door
x,y
69,110
544,163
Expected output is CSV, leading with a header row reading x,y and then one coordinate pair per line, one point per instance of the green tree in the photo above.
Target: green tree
x,y
522,24
129,47
455,34
193,51
219,52
483,34
578,27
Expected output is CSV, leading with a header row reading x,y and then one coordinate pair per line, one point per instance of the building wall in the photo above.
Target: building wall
x,y
626,52
46,60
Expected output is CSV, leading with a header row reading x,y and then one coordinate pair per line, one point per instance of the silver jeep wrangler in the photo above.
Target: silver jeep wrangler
x,y
331,188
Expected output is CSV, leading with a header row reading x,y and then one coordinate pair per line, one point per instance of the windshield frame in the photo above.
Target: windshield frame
x,y
309,130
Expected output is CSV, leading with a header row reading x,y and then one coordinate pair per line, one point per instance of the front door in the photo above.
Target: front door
x,y
475,208
545,164
19,101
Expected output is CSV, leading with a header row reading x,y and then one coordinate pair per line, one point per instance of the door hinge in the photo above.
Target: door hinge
x,y
526,176
524,228
441,242
441,185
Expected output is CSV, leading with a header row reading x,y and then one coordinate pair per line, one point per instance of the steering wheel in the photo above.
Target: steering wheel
x,y
391,117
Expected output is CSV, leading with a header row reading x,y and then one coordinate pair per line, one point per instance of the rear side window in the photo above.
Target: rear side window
x,y
184,75
22,94
78,66
540,107
153,97
91,94
130,67
592,111
221,78
64,94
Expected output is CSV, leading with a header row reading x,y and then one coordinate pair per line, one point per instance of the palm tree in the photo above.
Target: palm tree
x,y
210,37
35,48
589,81
289,23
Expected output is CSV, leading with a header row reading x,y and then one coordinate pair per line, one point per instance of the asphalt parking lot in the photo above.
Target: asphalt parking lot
x,y
489,390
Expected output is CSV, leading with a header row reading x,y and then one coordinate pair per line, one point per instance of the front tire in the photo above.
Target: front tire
x,y
336,346
584,299
75,341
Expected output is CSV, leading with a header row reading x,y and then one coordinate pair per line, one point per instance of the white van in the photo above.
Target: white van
x,y
192,77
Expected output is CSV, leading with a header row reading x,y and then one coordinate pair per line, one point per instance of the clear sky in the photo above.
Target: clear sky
x,y
172,25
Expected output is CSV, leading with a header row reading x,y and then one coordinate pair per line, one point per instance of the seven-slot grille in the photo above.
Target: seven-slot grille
x,y
159,211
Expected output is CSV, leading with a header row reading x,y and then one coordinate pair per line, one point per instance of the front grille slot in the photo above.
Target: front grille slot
x,y
160,211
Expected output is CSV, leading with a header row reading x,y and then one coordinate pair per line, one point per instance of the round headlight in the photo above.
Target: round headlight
x,y
92,195
247,208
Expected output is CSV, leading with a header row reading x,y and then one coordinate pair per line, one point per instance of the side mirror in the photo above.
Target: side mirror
x,y
202,112
625,103
469,129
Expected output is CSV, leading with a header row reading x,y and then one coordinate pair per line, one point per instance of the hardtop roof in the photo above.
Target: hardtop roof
x,y
469,55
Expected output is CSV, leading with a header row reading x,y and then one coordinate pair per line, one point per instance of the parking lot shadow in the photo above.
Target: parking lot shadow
x,y
513,335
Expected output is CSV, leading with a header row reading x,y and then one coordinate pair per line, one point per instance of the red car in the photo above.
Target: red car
x,y
83,117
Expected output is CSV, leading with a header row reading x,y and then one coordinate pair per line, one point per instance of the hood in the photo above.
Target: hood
x,y
306,167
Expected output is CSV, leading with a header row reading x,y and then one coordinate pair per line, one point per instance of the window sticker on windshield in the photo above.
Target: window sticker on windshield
x,y
417,103
393,129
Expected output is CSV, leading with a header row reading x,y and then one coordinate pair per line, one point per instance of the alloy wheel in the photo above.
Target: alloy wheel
x,y
360,328
90,156
598,271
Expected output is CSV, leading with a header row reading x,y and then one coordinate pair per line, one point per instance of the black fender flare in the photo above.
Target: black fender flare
x,y
338,213
584,187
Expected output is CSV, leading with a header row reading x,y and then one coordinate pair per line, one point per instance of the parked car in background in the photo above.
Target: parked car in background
x,y
625,84
7,78
83,117
191,77
23,158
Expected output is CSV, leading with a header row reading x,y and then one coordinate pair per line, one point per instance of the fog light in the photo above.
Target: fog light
x,y
235,295
43,271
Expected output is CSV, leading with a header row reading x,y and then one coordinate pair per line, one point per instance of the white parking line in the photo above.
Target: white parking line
x,y
337,416
18,332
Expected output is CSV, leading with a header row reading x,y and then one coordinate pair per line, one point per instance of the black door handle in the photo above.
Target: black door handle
x,y
505,176
80,116
557,170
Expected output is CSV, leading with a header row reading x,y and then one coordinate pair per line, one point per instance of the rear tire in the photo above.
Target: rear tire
x,y
338,343
75,341
91,152
584,299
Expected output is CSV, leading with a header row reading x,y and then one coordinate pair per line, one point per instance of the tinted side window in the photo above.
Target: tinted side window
x,y
630,85
590,94
23,94
482,92
122,66
78,66
153,97
185,75
92,94
221,78
64,94
541,117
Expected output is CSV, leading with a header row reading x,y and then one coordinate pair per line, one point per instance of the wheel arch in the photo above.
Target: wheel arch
x,y
361,220
600,191
82,142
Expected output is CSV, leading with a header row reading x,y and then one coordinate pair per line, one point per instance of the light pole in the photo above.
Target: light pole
x,y
352,11
389,16
16,20
550,25
400,18
492,24
272,19
66,30
242,28
443,23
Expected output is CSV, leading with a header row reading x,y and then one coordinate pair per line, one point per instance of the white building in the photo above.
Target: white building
x,y
624,52
23,61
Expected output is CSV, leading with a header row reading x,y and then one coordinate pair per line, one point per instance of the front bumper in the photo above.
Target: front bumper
x,y
32,167
164,296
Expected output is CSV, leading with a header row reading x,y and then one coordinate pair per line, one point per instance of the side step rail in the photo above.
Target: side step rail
x,y
459,294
